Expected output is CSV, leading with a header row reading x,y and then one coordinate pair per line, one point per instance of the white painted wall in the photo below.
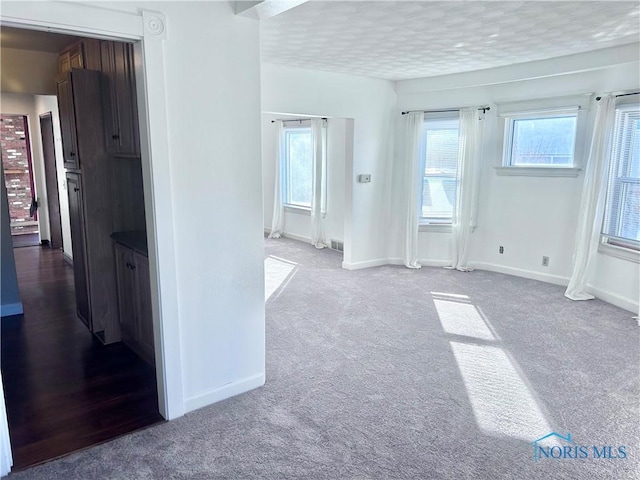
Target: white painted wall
x,y
24,104
370,104
217,196
45,104
529,216
27,71
297,224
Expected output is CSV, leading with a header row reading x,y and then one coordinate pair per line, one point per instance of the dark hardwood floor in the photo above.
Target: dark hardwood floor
x,y
65,390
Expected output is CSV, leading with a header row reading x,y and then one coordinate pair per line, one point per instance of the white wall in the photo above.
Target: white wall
x,y
529,216
217,196
45,104
370,103
27,71
24,104
297,224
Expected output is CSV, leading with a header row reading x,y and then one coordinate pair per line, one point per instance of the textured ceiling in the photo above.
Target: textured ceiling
x,y
402,40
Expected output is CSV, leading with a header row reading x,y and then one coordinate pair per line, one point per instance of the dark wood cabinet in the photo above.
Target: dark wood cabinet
x,y
67,123
99,124
134,301
71,57
88,171
78,246
82,54
121,108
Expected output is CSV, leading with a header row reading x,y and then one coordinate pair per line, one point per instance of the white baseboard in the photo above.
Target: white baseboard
x,y
300,238
11,309
292,236
614,299
605,295
366,264
425,262
223,392
521,272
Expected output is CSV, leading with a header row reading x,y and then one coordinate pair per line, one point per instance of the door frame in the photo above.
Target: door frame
x,y
148,31
51,198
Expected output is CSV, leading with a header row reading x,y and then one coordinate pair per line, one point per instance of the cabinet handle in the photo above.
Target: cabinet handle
x,y
72,154
76,189
115,137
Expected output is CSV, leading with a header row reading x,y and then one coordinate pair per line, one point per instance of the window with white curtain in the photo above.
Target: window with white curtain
x,y
440,153
298,167
621,226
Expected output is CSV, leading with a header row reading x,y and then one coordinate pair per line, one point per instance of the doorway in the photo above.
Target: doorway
x,y
67,386
51,180
19,179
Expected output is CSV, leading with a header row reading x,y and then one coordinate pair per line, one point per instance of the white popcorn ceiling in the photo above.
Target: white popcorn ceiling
x,y
403,40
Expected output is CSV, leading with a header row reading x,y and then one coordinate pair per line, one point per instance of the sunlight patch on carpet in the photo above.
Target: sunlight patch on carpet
x,y
276,272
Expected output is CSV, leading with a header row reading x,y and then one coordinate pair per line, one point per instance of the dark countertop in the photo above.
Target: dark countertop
x,y
135,240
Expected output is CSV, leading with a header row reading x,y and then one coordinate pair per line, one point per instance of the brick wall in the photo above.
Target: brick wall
x,y
17,172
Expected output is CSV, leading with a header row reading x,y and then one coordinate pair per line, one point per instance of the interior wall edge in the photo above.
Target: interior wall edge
x,y
223,392
11,309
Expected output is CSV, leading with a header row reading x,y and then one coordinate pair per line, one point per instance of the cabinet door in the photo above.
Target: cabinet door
x,y
78,246
121,108
143,307
76,56
64,62
126,294
110,100
68,123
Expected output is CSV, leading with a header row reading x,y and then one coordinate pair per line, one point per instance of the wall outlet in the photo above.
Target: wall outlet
x,y
545,261
500,249
364,178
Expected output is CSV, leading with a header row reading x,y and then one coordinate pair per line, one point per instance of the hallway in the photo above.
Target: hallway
x,y
64,390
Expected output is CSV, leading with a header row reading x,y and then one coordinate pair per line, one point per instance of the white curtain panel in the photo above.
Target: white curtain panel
x,y
277,220
6,460
468,180
593,200
413,172
318,197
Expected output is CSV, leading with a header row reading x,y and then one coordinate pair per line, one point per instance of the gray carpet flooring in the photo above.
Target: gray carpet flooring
x,y
397,373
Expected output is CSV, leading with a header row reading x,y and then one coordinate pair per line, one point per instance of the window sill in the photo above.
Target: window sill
x,y
538,171
297,209
435,227
622,253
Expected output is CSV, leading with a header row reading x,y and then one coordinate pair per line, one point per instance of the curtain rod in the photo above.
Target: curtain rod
x,y
621,95
294,119
484,109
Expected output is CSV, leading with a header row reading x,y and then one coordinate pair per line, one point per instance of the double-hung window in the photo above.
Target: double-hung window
x,y
297,167
621,226
440,154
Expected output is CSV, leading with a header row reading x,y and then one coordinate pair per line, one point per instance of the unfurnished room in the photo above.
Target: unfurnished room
x,y
320,239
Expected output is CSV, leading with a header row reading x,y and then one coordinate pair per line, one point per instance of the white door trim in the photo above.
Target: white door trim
x,y
148,30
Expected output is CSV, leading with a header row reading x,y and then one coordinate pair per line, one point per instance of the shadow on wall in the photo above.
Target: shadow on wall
x,y
9,294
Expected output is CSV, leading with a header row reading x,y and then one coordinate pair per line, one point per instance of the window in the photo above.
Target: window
x,y
298,167
440,152
540,140
621,225
543,137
